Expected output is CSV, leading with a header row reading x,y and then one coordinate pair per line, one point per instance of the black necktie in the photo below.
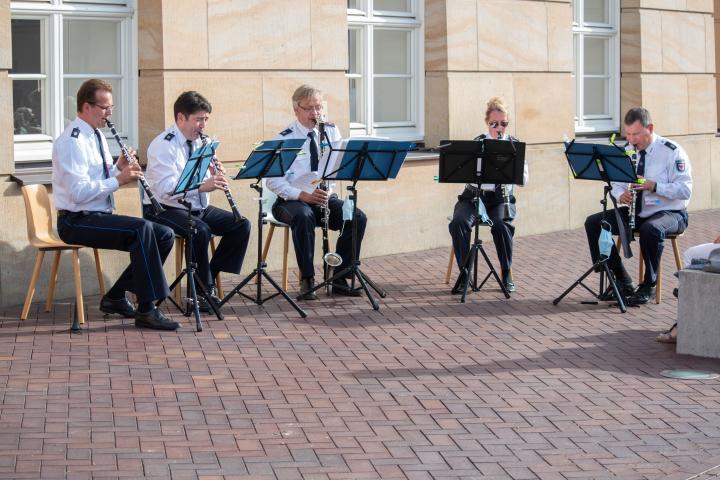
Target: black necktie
x,y
190,148
640,172
314,157
106,172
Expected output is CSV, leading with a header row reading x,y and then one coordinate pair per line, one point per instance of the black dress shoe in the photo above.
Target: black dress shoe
x,y
642,295
508,282
458,287
155,319
203,304
626,290
120,306
340,287
307,284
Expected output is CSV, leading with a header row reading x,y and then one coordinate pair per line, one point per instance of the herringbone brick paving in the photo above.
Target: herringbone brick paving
x,y
425,388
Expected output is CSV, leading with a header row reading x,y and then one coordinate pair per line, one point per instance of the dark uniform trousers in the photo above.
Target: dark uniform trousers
x,y
303,219
652,230
465,216
148,243
230,252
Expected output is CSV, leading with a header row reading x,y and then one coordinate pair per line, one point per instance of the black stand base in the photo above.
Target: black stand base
x,y
362,278
612,285
470,268
75,327
197,288
259,273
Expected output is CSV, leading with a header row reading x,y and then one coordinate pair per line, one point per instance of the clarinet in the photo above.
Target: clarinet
x,y
331,259
504,189
143,183
633,195
226,189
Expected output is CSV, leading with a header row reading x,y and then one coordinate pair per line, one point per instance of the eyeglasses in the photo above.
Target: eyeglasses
x,y
317,108
504,123
106,108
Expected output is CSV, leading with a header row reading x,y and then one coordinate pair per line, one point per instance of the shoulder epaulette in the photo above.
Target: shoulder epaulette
x,y
482,136
329,124
669,144
75,132
169,136
286,132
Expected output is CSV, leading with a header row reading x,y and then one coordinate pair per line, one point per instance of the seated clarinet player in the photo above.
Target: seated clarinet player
x,y
301,209
167,155
660,202
499,202
84,180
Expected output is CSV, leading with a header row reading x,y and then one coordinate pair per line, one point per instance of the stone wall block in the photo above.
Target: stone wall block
x,y
545,106
702,113
560,38
683,42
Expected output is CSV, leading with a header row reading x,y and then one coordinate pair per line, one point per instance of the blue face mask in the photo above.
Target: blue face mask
x,y
605,242
347,209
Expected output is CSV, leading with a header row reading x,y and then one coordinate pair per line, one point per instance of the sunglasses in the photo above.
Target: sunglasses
x,y
504,123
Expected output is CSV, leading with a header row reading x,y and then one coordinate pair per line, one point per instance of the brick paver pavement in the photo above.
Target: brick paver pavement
x,y
424,388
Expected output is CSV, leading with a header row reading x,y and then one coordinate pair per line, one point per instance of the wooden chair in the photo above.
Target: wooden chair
x,y
42,235
641,267
267,202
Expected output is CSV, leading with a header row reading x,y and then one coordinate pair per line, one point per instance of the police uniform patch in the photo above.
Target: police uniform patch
x,y
286,132
670,145
680,165
75,132
169,136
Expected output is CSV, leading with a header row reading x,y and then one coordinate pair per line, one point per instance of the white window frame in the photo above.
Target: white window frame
x,y
366,20
38,147
611,32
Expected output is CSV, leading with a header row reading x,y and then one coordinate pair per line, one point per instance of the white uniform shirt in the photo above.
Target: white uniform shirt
x,y
666,164
283,186
491,186
167,156
78,179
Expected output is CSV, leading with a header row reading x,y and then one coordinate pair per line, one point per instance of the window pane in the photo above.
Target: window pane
x,y
392,52
356,101
392,99
96,57
71,87
596,56
27,106
26,46
596,96
355,51
355,4
392,5
596,11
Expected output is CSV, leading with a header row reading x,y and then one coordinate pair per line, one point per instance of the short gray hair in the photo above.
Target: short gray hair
x,y
638,114
303,92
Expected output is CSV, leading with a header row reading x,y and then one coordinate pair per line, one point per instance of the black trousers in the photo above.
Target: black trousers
x,y
652,230
465,216
230,252
303,219
148,243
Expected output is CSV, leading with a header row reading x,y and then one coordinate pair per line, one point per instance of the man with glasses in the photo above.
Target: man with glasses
x,y
465,214
299,205
84,180
660,202
167,155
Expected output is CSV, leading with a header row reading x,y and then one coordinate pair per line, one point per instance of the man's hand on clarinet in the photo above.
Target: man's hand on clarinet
x,y
626,197
214,182
129,173
317,197
123,161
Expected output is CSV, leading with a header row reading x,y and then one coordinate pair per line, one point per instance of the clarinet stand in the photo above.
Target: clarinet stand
x,y
606,163
487,161
191,179
270,159
363,160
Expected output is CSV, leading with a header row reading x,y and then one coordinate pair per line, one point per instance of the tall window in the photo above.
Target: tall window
x,y
596,65
57,45
385,68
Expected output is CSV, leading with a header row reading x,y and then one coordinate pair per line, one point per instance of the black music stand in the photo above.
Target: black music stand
x,y
606,163
377,160
190,179
485,161
270,158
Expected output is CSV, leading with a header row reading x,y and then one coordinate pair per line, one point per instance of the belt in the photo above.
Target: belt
x,y
81,213
483,193
194,212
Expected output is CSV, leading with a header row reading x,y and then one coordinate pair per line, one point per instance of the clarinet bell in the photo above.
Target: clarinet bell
x,y
332,259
